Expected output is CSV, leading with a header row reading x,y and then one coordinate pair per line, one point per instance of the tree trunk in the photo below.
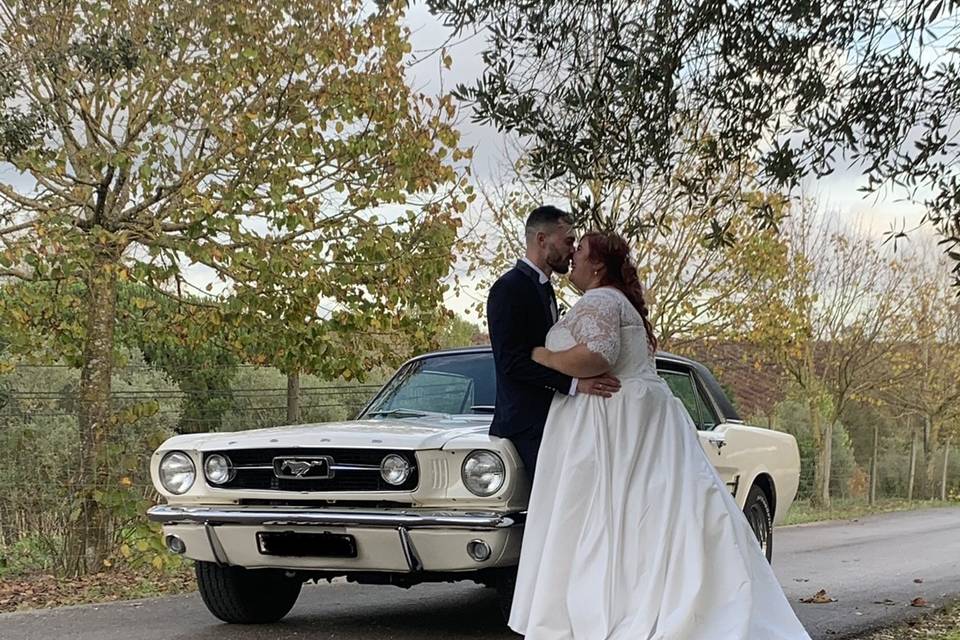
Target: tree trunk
x,y
8,527
86,545
293,397
946,462
813,414
929,477
874,464
913,464
826,462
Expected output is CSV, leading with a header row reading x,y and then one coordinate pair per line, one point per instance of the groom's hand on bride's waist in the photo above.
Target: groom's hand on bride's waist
x,y
604,386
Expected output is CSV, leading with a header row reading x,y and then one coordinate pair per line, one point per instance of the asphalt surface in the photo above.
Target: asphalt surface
x,y
869,566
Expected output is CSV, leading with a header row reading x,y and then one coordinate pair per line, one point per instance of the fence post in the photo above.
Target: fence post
x,y
913,463
874,466
946,461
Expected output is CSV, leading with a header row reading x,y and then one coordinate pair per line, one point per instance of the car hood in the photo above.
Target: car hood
x,y
409,433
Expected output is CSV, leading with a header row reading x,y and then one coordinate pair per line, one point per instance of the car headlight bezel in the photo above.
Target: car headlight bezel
x,y
185,468
224,468
395,463
479,464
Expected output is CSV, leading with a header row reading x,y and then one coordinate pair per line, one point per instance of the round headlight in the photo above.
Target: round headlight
x,y
177,472
483,473
395,469
218,469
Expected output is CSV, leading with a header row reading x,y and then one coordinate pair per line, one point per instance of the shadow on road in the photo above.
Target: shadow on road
x,y
333,611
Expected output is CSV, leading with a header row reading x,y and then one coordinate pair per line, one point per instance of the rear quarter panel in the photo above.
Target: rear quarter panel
x,y
758,456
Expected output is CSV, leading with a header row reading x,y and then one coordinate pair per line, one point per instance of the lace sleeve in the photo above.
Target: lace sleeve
x,y
595,323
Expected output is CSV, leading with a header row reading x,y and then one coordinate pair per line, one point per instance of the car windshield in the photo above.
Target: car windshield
x,y
460,383
465,383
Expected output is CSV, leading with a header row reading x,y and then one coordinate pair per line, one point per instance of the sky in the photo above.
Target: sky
x,y
837,193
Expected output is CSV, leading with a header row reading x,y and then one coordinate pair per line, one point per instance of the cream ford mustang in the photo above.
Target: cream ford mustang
x,y
413,490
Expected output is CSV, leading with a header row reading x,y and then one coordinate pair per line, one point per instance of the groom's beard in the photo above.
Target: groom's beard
x,y
557,264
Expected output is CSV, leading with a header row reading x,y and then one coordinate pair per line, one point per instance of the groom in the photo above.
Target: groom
x,y
521,308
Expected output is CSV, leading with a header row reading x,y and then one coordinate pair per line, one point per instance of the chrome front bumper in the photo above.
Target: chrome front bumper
x,y
389,539
306,516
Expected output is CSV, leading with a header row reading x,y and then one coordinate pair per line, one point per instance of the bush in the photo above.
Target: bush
x,y
39,438
27,555
792,417
260,399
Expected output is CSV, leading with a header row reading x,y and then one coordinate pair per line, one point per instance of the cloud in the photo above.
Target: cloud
x,y
427,74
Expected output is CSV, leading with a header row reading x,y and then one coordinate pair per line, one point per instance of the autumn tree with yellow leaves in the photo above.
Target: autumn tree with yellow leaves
x,y
272,149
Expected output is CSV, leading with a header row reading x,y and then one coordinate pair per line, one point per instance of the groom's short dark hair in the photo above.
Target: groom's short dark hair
x,y
546,216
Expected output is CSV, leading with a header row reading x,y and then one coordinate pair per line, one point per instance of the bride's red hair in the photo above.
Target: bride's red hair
x,y
612,251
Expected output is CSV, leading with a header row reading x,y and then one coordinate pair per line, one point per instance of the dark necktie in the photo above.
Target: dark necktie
x,y
552,299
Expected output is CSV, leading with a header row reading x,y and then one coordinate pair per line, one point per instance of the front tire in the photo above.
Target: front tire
x,y
246,596
760,516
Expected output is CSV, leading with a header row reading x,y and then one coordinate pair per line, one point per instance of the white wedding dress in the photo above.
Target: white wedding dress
x,y
631,535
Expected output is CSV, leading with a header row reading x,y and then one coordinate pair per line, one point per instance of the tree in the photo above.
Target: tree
x,y
203,370
41,446
849,296
377,300
871,430
699,291
951,431
460,332
791,416
163,137
48,320
606,91
926,365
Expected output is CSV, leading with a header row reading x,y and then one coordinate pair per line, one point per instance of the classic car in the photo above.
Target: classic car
x,y
413,490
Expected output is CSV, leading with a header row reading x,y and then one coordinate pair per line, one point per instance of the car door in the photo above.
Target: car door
x,y
711,432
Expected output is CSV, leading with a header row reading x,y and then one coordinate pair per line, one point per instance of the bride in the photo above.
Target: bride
x,y
631,535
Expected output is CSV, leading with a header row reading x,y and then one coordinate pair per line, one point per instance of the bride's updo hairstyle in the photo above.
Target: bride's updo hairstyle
x,y
612,251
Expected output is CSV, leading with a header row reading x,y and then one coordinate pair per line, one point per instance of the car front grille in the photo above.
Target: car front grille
x,y
254,470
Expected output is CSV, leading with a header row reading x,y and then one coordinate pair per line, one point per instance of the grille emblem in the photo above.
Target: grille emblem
x,y
303,467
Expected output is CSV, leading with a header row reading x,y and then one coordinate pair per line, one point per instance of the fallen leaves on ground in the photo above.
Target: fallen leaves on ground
x,y
820,597
18,593
942,625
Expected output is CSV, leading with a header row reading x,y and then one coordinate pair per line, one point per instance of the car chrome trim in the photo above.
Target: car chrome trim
x,y
409,551
334,467
216,547
393,518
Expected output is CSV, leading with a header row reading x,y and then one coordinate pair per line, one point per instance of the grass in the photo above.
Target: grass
x,y
801,512
942,625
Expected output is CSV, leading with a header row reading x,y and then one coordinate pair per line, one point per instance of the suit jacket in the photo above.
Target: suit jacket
x,y
519,316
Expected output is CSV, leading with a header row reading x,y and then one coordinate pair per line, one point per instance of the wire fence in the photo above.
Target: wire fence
x,y
43,489
43,484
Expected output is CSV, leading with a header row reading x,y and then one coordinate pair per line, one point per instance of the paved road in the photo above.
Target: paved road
x,y
859,563
870,566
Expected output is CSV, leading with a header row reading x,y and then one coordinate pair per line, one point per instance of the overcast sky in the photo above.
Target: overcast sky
x,y
838,192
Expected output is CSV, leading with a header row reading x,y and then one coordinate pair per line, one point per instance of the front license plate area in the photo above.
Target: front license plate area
x,y
306,545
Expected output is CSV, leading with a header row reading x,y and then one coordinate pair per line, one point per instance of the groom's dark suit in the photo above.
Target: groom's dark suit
x,y
520,311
